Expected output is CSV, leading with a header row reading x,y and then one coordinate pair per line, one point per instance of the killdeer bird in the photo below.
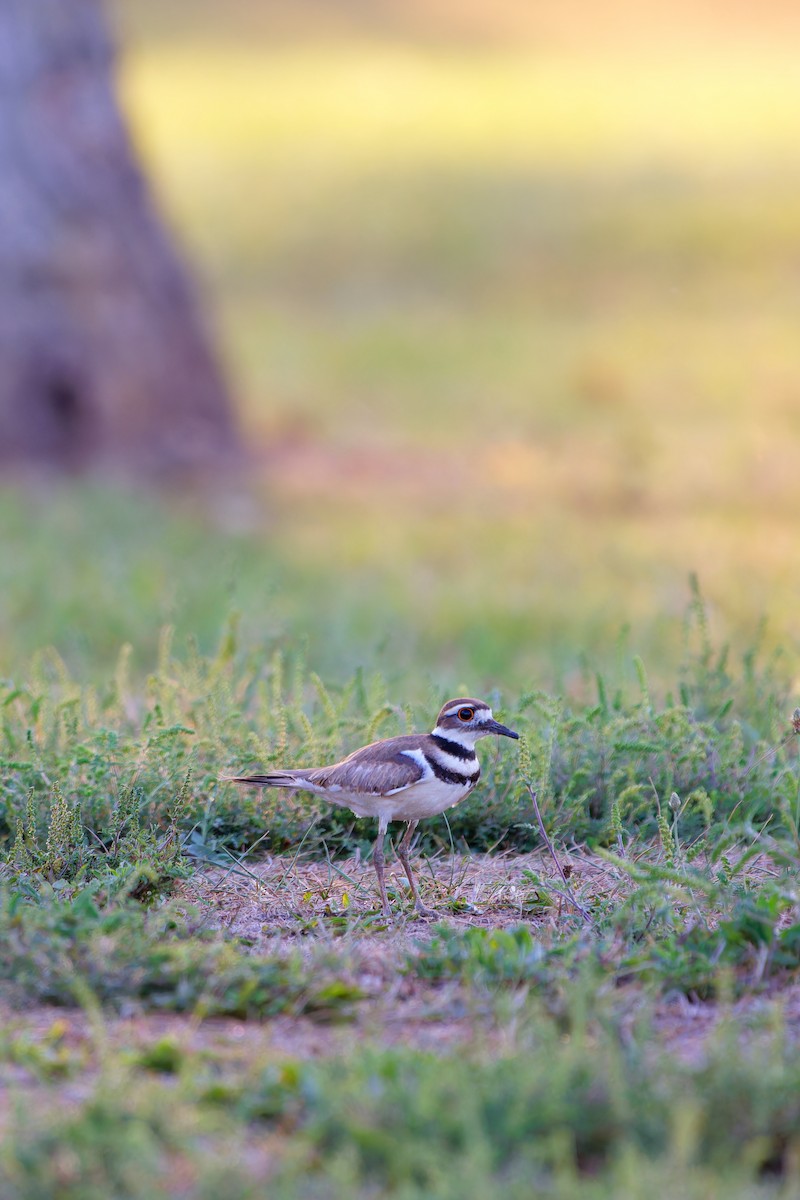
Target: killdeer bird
x,y
401,778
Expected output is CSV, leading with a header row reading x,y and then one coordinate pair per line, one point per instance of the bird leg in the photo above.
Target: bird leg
x,y
378,860
402,854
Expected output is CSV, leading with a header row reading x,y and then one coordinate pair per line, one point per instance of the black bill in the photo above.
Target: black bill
x,y
501,730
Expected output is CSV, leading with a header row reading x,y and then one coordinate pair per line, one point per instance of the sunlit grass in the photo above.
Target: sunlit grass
x,y
373,106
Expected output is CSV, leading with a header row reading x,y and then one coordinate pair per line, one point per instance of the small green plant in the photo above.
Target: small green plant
x,y
740,952
569,1106
47,1057
491,956
63,951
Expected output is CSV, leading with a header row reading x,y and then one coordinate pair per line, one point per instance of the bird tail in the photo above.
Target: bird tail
x,y
277,779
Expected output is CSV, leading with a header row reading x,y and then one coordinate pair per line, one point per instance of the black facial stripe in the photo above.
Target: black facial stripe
x,y
451,776
453,748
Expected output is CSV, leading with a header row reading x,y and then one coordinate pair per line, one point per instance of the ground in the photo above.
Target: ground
x,y
282,903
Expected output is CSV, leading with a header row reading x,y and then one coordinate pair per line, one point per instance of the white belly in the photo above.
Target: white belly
x,y
423,799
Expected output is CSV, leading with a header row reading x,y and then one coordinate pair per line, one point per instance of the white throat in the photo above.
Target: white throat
x,y
463,737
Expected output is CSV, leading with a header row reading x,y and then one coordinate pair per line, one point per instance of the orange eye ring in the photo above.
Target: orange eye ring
x,y
466,714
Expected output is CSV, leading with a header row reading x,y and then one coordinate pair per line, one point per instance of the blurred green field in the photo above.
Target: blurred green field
x,y
512,330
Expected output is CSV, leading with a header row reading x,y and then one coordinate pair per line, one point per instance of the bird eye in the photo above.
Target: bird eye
x,y
466,714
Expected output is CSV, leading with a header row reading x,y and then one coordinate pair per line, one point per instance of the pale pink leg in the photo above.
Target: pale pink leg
x,y
402,854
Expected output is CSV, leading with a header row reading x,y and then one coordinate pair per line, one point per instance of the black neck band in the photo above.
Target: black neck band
x,y
453,748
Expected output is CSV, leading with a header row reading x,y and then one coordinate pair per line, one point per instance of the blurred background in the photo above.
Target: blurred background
x,y
507,297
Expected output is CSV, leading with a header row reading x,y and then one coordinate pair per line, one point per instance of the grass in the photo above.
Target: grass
x,y
526,1042
100,778
65,952
512,334
578,1111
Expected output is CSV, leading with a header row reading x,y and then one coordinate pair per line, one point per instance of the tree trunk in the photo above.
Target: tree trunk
x,y
103,358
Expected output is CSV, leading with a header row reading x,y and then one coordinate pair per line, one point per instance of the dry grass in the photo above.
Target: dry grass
x,y
281,896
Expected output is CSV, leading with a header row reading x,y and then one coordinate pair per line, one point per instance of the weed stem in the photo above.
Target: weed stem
x,y
553,855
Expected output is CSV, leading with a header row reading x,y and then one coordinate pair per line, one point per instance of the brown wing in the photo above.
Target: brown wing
x,y
374,770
